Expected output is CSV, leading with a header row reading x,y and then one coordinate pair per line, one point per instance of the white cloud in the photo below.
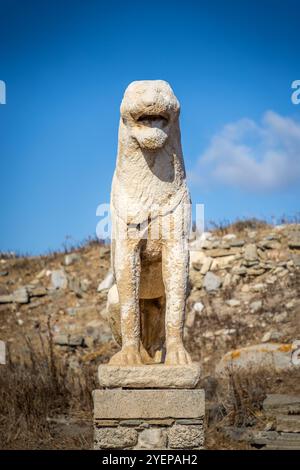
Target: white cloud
x,y
251,156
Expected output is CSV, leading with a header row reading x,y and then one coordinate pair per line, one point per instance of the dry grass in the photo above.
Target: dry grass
x,y
239,226
237,399
37,387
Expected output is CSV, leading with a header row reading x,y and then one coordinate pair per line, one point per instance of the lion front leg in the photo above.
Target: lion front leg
x,y
175,276
127,272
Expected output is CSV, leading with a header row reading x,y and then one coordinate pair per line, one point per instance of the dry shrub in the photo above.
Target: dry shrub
x,y
246,393
239,397
239,226
37,387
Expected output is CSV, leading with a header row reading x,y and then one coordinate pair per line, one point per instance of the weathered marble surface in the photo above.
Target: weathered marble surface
x,y
149,376
150,211
147,404
149,419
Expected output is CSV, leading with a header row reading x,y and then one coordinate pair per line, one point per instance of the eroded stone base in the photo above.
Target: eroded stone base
x,y
149,376
148,419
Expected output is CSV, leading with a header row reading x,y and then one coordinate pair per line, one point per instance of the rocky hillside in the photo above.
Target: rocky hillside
x,y
245,285
245,290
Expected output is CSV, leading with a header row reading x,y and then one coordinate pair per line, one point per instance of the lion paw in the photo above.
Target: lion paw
x,y
177,355
128,356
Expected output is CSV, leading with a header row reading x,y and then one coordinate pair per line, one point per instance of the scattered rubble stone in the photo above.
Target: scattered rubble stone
x,y
71,258
36,291
288,423
229,237
237,243
256,306
59,279
271,336
85,284
270,355
211,282
198,307
233,303
294,242
20,296
190,318
250,252
282,404
75,286
280,317
69,340
206,265
222,263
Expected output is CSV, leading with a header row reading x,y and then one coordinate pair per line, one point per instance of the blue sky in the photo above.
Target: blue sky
x,y
66,65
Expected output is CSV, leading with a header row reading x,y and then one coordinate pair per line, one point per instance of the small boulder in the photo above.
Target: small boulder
x,y
250,253
59,279
198,307
256,306
36,291
229,237
6,299
271,336
75,286
190,318
233,303
294,242
69,340
20,296
268,355
206,265
85,284
71,258
211,282
280,317
237,243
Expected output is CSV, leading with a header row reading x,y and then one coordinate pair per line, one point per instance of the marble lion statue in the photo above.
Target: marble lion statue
x,y
150,211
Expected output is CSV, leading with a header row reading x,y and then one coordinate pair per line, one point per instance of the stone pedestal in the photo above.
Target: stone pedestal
x,y
145,415
150,376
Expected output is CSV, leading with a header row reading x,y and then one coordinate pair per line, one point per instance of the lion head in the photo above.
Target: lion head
x,y
149,109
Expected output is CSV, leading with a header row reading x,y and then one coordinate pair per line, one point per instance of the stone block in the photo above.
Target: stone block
x,y
152,438
288,423
281,404
149,376
115,438
161,422
106,423
131,422
148,404
190,421
182,436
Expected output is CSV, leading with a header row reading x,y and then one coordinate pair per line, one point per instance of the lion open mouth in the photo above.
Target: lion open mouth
x,y
153,120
